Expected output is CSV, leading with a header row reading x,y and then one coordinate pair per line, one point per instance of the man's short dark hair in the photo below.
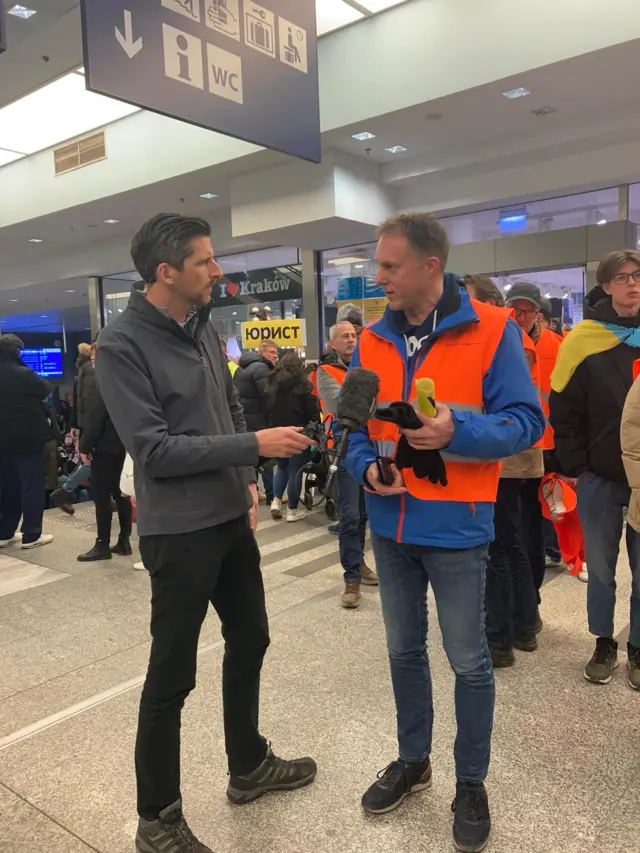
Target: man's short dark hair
x,y
10,347
165,239
486,289
611,263
425,234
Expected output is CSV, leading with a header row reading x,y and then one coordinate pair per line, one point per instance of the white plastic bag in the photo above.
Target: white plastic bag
x,y
126,479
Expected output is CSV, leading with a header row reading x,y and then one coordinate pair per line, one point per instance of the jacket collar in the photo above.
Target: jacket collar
x,y
456,311
140,305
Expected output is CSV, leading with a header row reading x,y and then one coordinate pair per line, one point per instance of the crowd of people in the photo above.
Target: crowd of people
x,y
529,421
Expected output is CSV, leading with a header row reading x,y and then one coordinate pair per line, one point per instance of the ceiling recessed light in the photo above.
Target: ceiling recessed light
x,y
13,300
111,221
35,240
602,221
396,149
69,291
544,111
361,137
45,316
508,287
547,296
21,12
512,94
359,266
209,195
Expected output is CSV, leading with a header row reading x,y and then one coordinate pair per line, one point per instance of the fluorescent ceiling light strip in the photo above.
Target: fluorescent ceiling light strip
x,y
60,111
333,14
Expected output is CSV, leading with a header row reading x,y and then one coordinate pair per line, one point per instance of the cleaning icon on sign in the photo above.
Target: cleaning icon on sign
x,y
260,28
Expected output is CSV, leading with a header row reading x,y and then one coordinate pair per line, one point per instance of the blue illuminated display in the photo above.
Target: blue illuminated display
x,y
45,362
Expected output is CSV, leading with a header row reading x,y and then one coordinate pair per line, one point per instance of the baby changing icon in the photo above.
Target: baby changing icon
x,y
293,45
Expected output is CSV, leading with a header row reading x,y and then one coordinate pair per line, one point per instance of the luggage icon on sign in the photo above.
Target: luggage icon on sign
x,y
259,30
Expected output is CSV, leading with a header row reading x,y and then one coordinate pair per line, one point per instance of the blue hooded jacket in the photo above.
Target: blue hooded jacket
x,y
513,421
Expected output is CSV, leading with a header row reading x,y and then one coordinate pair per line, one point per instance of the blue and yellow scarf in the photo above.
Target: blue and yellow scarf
x,y
588,338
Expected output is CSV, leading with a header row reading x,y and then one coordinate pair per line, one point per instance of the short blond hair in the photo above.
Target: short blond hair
x,y
84,349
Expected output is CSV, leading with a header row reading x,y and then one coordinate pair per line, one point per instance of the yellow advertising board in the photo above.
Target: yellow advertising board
x,y
372,309
283,333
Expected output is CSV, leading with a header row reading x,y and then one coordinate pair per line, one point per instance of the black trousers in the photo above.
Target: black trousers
x,y
220,565
533,531
106,470
511,592
22,494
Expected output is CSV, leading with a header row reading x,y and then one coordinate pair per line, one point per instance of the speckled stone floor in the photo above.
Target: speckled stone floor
x,y
565,775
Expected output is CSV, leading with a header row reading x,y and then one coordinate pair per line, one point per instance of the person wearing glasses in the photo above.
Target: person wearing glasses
x,y
590,383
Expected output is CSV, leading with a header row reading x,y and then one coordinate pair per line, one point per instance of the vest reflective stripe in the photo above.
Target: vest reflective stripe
x,y
547,351
464,460
458,361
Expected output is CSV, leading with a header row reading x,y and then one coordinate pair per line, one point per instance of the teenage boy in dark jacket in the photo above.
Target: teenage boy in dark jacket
x,y
592,377
24,431
168,390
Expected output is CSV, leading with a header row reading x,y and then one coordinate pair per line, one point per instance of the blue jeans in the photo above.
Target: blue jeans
x,y
600,505
352,529
22,495
458,581
288,477
79,476
267,481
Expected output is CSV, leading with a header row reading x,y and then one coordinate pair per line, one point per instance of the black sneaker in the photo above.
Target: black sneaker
x,y
502,658
274,774
472,821
525,642
603,661
100,551
168,834
633,666
395,783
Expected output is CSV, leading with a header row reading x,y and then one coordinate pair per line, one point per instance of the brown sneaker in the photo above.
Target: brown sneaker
x,y
351,596
367,576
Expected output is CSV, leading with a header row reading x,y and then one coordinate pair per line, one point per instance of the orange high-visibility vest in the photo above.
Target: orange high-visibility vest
x,y
338,373
547,349
457,362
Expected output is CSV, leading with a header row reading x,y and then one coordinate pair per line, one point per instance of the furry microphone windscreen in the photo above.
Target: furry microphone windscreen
x,y
357,398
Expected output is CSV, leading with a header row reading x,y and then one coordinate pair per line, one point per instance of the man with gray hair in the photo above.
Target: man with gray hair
x,y
352,512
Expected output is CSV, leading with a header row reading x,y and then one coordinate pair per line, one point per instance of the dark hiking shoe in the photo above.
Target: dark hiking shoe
x,y
274,774
395,783
633,666
62,498
525,642
502,658
170,833
472,821
603,661
123,548
100,551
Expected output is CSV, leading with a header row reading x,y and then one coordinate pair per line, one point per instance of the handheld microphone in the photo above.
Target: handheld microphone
x,y
356,404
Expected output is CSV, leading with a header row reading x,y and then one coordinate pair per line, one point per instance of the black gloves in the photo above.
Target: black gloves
x,y
425,463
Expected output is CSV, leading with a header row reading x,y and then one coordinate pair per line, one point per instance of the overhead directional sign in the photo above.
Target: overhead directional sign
x,y
239,67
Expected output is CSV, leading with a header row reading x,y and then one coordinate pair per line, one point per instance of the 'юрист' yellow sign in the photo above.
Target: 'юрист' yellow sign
x,y
283,333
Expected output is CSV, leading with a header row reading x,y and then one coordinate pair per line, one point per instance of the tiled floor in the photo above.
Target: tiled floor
x,y
565,774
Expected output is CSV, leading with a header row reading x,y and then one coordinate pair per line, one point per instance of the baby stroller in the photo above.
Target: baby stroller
x,y
315,473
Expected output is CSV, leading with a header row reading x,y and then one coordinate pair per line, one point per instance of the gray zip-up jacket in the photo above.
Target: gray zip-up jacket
x,y
174,405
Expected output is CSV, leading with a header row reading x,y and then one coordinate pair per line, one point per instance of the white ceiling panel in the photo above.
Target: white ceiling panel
x,y
379,5
332,14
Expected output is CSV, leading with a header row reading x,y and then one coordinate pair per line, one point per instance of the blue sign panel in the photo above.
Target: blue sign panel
x,y
45,362
242,68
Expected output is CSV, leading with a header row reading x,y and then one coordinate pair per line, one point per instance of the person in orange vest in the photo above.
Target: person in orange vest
x,y
426,533
525,300
352,512
512,608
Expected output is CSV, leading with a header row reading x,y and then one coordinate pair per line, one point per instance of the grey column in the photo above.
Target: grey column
x,y
312,302
623,201
96,310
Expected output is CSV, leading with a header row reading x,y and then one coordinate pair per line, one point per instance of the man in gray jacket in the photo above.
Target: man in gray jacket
x,y
169,393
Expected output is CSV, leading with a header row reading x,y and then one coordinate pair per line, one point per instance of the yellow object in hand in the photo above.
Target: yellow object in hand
x,y
426,389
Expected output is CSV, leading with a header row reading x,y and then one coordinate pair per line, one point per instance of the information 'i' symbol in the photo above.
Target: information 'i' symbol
x,y
183,46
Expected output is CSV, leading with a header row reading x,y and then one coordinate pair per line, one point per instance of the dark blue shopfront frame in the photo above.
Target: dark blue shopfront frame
x,y
239,67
